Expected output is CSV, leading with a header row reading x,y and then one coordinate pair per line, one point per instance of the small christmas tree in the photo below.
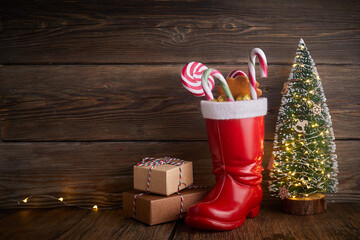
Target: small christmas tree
x,y
304,160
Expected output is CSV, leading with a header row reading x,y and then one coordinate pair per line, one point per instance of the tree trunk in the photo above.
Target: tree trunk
x,y
312,204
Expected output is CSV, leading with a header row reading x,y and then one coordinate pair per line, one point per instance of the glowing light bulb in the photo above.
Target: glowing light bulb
x,y
306,195
95,207
25,200
302,47
61,199
311,92
294,65
328,175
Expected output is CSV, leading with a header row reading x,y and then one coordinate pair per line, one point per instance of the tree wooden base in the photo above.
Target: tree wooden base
x,y
312,204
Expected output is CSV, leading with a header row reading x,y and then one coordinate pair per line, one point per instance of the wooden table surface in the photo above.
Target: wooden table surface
x,y
341,221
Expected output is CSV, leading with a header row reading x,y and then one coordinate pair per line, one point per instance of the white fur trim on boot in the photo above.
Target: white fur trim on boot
x,y
234,110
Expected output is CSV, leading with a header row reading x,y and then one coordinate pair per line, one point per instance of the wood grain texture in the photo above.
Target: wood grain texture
x,y
146,32
57,103
90,87
85,174
70,223
340,221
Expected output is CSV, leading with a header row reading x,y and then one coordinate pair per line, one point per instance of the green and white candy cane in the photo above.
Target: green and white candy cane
x,y
220,77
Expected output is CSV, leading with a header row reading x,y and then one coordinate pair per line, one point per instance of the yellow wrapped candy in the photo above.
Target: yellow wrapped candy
x,y
223,98
243,98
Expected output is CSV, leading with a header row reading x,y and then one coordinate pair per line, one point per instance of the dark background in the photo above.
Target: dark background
x,y
87,89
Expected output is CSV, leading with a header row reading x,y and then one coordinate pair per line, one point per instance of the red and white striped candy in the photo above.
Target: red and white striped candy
x,y
236,73
256,52
204,80
191,78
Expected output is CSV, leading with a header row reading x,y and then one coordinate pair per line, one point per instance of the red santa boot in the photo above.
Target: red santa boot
x,y
236,139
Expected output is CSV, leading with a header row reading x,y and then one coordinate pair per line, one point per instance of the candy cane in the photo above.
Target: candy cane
x,y
256,52
191,78
218,75
236,73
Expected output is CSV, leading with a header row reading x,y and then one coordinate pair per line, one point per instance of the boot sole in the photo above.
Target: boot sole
x,y
211,224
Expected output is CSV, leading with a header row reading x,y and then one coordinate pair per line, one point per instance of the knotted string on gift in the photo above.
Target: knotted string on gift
x,y
155,162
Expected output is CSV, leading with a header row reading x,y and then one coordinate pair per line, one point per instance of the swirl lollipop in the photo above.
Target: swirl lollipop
x,y
191,78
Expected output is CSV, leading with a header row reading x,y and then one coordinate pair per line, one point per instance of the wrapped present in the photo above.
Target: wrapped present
x,y
163,176
154,209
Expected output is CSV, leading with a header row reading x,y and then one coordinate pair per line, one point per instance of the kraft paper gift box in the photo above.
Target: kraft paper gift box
x,y
154,209
164,179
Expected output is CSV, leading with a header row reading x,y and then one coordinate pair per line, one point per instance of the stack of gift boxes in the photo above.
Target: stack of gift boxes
x,y
164,190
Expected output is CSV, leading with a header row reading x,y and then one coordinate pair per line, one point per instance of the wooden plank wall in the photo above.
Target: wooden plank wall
x,y
89,88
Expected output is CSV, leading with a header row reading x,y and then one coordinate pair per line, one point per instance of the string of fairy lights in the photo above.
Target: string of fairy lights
x,y
62,201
